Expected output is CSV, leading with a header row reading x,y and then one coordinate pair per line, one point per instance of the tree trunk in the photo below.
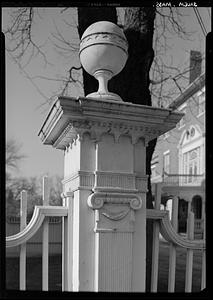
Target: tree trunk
x,y
134,87
132,83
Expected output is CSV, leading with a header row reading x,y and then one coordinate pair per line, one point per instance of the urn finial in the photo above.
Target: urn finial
x,y
103,54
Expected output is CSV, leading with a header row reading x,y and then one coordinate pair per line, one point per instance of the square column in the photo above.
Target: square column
x,y
104,144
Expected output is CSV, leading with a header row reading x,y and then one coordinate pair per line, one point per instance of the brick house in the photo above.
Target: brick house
x,y
179,158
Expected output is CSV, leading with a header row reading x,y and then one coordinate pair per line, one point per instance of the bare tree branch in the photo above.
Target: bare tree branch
x,y
13,155
66,45
28,77
20,35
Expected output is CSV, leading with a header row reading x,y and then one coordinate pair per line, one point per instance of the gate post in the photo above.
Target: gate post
x,y
104,142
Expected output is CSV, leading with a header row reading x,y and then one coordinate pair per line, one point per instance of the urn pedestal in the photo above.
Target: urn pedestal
x,y
105,185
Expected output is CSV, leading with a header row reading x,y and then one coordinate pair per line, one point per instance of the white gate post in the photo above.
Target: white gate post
x,y
104,235
23,247
67,243
104,141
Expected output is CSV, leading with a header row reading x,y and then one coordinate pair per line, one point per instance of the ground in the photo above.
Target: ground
x,y
34,267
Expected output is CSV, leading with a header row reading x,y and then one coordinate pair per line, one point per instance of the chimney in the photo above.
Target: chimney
x,y
195,65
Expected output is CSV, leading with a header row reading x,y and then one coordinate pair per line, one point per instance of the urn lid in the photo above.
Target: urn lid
x,y
104,32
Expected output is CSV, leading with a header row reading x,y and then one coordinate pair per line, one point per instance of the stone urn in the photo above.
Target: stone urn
x,y
103,54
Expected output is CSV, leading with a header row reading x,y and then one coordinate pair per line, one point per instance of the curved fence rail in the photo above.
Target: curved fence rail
x,y
39,214
168,229
40,219
169,234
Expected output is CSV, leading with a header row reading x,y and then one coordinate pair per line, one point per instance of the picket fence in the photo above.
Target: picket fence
x,y
162,226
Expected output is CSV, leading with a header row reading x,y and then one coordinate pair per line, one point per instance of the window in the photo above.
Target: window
x,y
154,165
154,173
154,170
201,103
191,164
166,162
185,166
197,206
192,132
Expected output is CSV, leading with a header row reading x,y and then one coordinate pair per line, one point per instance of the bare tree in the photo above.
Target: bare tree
x,y
13,157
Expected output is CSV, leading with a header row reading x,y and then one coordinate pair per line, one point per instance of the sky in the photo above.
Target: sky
x,y
24,110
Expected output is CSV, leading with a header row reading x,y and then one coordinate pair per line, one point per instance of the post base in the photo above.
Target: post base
x,y
104,96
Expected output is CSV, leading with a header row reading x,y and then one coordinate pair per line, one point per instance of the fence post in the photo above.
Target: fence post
x,y
172,249
155,244
67,244
45,238
203,278
189,207
23,247
189,255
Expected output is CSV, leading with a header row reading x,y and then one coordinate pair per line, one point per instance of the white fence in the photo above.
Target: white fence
x,y
168,230
38,220
162,225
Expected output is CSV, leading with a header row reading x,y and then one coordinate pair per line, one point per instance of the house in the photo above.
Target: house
x,y
179,158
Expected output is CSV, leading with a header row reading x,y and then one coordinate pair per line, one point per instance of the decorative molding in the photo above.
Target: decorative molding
x,y
76,130
135,203
80,180
104,38
114,190
66,197
86,179
126,182
141,182
70,116
67,194
116,216
115,180
40,212
98,199
96,202
170,234
107,181
63,135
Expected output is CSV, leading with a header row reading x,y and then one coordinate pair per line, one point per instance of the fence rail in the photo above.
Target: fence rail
x,y
17,220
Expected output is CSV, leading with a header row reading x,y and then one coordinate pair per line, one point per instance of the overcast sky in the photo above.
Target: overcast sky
x,y
24,117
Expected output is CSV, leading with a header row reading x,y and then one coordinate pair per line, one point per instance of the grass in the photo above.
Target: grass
x,y
34,271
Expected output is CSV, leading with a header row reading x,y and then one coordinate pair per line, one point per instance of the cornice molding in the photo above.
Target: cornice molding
x,y
70,118
96,129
